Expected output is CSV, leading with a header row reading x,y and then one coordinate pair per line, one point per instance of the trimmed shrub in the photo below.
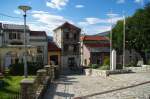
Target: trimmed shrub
x,y
18,69
106,61
94,66
131,64
105,67
119,66
106,64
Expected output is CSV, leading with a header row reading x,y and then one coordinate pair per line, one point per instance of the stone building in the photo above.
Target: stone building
x,y
94,49
67,37
39,39
12,45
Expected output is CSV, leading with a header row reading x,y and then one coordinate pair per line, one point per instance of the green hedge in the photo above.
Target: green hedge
x,y
104,67
94,66
18,69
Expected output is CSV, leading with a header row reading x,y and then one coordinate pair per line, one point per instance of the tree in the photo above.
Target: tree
x,y
137,32
117,37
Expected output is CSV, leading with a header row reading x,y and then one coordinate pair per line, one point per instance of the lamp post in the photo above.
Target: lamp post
x,y
25,9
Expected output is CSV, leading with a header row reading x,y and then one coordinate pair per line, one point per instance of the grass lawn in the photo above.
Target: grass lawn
x,y
11,86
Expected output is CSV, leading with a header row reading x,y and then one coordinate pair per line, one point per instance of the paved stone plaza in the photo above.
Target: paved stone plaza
x,y
112,87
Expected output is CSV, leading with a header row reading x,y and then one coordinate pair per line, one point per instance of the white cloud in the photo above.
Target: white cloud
x,y
97,25
93,21
120,1
57,4
50,21
94,29
112,15
38,12
79,6
49,18
17,12
138,1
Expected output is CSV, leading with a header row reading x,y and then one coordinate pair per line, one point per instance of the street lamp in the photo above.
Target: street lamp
x,y
25,9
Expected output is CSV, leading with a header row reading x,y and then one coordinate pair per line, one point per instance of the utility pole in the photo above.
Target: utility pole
x,y
124,38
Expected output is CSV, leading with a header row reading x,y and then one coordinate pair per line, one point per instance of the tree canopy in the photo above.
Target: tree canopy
x,y
137,32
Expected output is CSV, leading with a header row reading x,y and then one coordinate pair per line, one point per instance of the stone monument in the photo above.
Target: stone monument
x,y
113,60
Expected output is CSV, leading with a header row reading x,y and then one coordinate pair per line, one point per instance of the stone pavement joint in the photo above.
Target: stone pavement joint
x,y
83,97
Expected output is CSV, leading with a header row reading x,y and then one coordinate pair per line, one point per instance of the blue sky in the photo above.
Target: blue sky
x,y
92,16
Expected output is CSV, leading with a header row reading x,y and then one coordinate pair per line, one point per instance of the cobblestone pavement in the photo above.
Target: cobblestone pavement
x,y
68,87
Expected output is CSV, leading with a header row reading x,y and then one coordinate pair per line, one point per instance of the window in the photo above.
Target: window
x,y
75,36
18,36
70,35
67,36
75,48
10,35
65,47
85,61
39,49
13,35
71,48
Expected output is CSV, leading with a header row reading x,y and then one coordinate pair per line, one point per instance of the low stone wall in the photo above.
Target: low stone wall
x,y
144,68
104,73
34,88
95,72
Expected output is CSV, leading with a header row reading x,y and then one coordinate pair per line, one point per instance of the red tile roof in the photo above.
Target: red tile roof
x,y
93,38
38,33
98,45
53,47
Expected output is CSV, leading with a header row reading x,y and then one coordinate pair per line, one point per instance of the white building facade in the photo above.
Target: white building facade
x,y
12,45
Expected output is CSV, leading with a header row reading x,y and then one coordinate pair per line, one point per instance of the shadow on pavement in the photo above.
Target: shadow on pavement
x,y
60,88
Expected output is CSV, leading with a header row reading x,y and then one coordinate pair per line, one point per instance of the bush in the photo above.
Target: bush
x,y
131,64
18,69
119,66
106,64
94,66
105,67
106,61
149,62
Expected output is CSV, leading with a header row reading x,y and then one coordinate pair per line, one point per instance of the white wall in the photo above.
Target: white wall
x,y
58,37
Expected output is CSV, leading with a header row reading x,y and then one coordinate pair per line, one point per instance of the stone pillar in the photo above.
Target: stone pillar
x,y
113,67
48,70
41,75
27,89
52,72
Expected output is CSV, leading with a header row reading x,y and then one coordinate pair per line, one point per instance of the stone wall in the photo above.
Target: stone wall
x,y
95,72
36,87
105,73
144,68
